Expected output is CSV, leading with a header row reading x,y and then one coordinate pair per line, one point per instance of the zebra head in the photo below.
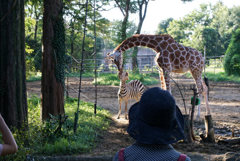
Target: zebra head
x,y
116,58
123,76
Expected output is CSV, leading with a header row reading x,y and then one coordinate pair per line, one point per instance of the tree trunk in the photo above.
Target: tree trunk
x,y
124,26
53,59
142,15
134,60
187,130
209,128
36,27
13,99
125,21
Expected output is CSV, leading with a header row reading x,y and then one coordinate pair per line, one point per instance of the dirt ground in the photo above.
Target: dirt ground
x,y
224,101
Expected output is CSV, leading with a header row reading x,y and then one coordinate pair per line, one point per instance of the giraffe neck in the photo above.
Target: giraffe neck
x,y
155,42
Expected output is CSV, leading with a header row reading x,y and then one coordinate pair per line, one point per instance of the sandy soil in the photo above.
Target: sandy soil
x,y
224,101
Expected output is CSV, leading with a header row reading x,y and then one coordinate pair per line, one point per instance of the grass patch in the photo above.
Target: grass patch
x,y
219,77
77,74
222,77
112,78
34,76
42,139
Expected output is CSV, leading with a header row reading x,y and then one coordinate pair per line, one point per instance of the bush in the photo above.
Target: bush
x,y
41,137
232,55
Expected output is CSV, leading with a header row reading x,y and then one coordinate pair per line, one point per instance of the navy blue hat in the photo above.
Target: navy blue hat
x,y
156,119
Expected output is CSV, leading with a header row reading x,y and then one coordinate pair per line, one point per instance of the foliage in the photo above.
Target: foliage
x,y
33,31
42,139
33,55
121,4
232,55
163,25
209,38
34,76
115,33
74,15
234,17
74,19
209,26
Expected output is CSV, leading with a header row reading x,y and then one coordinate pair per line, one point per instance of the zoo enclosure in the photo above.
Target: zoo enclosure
x,y
145,64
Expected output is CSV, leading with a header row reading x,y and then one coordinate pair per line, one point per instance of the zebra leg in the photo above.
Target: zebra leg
x,y
126,110
119,109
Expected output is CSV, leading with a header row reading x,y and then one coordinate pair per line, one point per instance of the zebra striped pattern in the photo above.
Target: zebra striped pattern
x,y
132,90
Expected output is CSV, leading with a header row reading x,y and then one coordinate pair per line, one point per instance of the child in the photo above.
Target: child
x,y
9,146
155,122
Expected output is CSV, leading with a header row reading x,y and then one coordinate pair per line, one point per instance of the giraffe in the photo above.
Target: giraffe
x,y
171,57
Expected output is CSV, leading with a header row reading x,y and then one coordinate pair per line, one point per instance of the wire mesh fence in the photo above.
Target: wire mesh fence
x,y
145,64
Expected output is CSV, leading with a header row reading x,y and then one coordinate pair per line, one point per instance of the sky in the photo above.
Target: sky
x,y
159,10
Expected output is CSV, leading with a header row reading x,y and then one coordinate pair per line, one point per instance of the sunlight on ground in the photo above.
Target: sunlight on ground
x,y
121,120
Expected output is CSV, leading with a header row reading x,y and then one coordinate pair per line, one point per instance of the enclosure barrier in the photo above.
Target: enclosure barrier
x,y
146,64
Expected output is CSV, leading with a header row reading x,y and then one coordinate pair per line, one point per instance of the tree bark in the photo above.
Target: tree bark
x,y
13,98
187,130
36,26
209,128
53,57
125,21
143,4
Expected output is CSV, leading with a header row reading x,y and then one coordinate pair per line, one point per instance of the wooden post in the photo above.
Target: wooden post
x,y
209,128
193,102
187,130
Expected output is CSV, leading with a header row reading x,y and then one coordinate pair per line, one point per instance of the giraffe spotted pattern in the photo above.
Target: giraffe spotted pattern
x,y
171,57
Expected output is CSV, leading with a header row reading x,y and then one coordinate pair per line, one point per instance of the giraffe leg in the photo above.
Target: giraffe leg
x,y
126,115
202,90
199,89
205,94
119,109
162,80
167,80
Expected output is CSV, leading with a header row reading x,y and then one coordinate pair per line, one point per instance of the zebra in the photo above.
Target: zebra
x,y
132,90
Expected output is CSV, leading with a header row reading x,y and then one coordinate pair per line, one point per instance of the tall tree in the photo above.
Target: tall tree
x,y
234,18
124,6
34,10
142,11
13,100
163,25
53,59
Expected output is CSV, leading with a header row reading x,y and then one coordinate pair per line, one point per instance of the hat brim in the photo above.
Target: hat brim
x,y
148,134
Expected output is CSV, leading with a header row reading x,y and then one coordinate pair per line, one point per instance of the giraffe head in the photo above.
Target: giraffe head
x,y
116,58
123,76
